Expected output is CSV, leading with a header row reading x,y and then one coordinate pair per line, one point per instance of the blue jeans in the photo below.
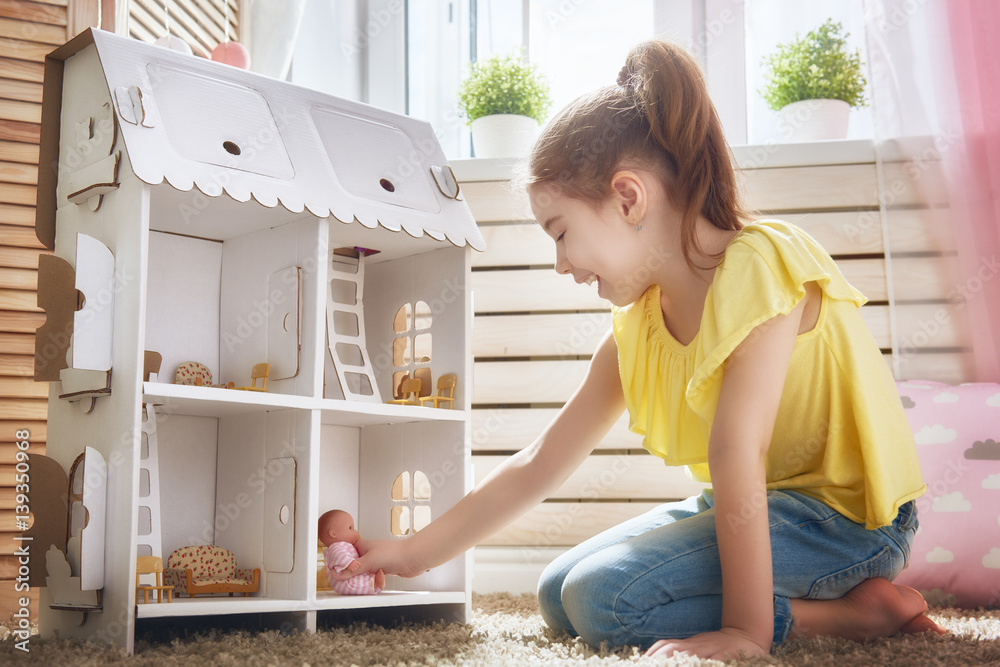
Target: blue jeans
x,y
657,576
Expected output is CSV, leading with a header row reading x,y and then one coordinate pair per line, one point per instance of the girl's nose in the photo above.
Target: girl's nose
x,y
562,264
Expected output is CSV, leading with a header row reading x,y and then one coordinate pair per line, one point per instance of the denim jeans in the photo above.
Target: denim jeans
x,y
657,576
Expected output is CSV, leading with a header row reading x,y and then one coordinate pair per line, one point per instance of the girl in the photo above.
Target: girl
x,y
738,350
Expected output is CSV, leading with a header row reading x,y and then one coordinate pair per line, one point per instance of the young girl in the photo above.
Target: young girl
x,y
738,351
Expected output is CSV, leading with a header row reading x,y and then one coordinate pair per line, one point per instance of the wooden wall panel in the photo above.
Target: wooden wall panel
x,y
28,31
200,23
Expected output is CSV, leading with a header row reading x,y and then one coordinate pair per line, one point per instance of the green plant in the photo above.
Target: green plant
x,y
504,84
817,66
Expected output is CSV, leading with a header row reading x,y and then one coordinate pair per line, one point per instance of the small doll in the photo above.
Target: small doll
x,y
342,542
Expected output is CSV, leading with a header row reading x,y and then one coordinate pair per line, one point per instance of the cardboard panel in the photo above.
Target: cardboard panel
x,y
187,459
93,324
279,515
283,323
95,488
199,112
182,311
370,158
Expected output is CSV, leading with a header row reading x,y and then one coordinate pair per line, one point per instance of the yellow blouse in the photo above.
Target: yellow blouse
x,y
841,434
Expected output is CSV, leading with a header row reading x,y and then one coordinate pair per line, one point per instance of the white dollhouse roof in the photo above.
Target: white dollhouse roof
x,y
199,124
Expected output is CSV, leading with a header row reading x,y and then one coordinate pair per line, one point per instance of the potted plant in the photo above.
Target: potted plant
x,y
813,82
505,100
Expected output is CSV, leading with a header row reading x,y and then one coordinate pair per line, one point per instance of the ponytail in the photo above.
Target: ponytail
x,y
659,115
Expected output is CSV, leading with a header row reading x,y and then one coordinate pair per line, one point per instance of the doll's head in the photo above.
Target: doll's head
x,y
337,526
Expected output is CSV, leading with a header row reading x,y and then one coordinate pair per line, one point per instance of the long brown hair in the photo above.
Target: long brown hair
x,y
659,116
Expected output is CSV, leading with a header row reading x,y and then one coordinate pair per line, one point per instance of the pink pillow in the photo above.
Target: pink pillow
x,y
956,553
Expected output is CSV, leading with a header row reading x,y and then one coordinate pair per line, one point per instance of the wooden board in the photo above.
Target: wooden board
x,y
565,524
511,429
35,12
636,475
528,290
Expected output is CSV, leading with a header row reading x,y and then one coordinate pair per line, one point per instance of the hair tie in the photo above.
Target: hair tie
x,y
625,77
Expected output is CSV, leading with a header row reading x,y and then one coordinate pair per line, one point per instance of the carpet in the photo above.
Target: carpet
x,y
505,630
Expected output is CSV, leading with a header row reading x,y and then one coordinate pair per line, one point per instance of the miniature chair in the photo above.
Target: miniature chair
x,y
410,390
445,384
151,565
258,372
150,363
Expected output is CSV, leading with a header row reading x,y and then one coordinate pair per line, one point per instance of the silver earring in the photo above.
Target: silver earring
x,y
638,227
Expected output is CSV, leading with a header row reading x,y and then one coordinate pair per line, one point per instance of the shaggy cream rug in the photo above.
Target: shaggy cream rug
x,y
505,630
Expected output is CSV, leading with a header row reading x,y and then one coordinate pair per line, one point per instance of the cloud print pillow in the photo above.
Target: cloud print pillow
x,y
956,553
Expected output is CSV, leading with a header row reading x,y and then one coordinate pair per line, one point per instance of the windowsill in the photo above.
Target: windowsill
x,y
760,156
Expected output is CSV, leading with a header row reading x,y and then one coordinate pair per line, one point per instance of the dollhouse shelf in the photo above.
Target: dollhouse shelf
x,y
325,600
352,413
183,399
204,606
217,402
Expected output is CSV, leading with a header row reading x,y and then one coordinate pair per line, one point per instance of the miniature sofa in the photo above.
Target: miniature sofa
x,y
955,559
207,569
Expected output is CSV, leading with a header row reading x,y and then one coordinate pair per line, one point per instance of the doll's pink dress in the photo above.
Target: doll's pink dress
x,y
339,555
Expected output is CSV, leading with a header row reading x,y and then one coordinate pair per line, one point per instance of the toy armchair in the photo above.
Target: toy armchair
x,y
196,373
208,569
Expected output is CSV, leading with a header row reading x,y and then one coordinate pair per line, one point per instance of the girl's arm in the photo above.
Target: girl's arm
x,y
741,433
520,482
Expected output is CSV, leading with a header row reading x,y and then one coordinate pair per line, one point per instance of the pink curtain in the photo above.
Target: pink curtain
x,y
935,92
974,173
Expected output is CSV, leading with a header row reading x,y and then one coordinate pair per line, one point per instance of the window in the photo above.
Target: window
x,y
411,346
581,46
411,510
772,22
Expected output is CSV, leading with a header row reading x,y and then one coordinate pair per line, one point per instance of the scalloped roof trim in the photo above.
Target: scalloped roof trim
x,y
320,211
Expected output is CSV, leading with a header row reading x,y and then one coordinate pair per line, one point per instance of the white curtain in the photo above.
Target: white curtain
x,y
274,28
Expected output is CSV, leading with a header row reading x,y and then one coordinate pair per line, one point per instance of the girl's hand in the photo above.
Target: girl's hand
x,y
726,644
391,556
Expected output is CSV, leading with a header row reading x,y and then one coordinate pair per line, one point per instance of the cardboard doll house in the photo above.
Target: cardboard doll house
x,y
311,249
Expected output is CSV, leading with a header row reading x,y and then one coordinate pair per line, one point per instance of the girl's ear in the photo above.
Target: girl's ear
x,y
631,198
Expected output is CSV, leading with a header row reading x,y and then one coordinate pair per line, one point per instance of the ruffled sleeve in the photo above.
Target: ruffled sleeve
x,y
762,275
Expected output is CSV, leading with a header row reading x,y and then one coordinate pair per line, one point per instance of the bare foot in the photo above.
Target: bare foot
x,y
379,580
873,608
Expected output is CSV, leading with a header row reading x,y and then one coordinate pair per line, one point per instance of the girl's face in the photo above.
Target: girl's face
x,y
594,245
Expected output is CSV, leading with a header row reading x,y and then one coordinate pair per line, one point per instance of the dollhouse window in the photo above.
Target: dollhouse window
x,y
411,346
411,498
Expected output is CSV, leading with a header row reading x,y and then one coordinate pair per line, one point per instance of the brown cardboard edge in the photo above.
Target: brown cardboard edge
x,y
57,296
48,497
48,145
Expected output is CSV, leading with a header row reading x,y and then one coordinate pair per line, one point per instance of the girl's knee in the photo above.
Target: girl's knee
x,y
585,602
550,602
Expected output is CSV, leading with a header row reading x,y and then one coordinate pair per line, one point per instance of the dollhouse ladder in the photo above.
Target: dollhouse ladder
x,y
346,326
149,487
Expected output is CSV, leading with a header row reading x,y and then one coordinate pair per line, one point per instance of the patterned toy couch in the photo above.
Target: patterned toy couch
x,y
207,569
955,558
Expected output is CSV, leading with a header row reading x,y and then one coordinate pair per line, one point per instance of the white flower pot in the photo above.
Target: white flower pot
x,y
814,120
503,135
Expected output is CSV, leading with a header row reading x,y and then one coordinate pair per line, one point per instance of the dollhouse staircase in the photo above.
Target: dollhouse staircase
x,y
346,325
148,504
